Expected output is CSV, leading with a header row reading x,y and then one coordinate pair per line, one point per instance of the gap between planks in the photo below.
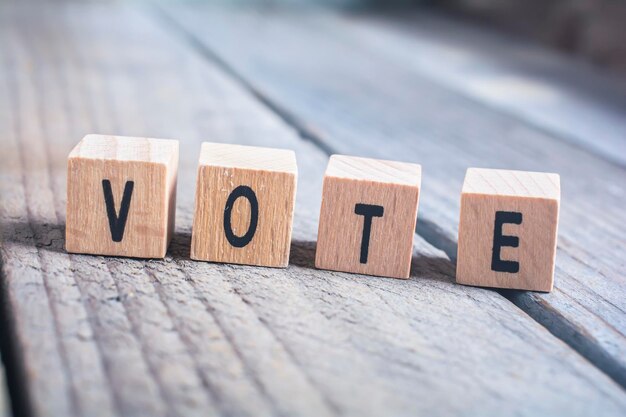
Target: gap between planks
x,y
4,404
14,398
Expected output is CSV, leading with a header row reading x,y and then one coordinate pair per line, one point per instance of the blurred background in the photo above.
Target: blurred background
x,y
592,30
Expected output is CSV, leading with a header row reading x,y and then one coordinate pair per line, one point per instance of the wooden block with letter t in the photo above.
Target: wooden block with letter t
x,y
245,198
121,196
368,216
508,229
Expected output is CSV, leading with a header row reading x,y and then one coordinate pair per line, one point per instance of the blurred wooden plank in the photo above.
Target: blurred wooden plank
x,y
351,96
565,97
103,336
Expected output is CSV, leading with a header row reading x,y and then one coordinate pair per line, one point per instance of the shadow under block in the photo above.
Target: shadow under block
x,y
368,216
244,207
121,196
508,229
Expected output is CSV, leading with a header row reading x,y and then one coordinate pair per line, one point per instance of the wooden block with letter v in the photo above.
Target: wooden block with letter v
x,y
245,198
368,216
508,229
121,196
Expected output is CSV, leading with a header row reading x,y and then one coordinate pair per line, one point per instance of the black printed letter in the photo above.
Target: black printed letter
x,y
247,193
368,211
500,240
117,224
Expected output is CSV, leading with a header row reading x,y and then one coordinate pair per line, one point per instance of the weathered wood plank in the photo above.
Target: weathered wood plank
x,y
109,336
338,84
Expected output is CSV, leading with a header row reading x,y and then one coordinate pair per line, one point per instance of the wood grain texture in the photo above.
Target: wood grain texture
x,y
351,96
121,196
508,229
245,199
104,336
367,218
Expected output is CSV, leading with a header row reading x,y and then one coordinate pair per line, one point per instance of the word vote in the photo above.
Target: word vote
x,y
121,199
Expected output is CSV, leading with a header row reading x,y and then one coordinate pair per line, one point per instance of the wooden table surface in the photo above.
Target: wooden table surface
x,y
104,336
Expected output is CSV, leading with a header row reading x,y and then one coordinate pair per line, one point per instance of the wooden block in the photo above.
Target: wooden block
x,y
121,196
368,215
508,229
245,198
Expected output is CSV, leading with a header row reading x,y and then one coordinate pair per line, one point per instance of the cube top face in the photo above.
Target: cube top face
x,y
125,206
368,216
245,199
376,170
122,148
508,229
512,183
248,157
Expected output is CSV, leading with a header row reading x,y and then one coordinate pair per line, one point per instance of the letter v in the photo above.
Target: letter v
x,y
117,224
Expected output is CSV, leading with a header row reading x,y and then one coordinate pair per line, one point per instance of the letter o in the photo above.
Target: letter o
x,y
247,193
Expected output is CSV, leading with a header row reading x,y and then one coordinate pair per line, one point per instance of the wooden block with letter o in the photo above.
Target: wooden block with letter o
x,y
368,215
245,198
508,229
121,196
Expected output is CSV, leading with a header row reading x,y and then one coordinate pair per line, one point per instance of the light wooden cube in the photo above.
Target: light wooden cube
x,y
121,196
368,216
245,198
508,229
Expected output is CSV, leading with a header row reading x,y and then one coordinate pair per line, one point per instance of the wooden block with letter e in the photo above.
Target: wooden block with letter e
x,y
245,198
368,216
121,196
508,229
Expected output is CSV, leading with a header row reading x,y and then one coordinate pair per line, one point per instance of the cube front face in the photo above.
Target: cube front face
x,y
507,241
243,216
139,219
367,227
